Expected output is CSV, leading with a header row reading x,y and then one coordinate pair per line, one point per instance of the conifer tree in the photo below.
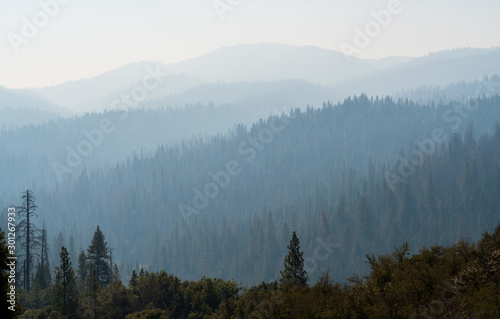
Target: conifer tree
x,y
82,268
28,236
134,281
294,272
98,258
65,293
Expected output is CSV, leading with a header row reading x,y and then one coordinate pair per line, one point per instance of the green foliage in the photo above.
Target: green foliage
x,y
116,301
44,313
36,298
149,313
226,289
98,258
458,281
65,291
294,273
42,277
320,157
451,194
93,300
82,269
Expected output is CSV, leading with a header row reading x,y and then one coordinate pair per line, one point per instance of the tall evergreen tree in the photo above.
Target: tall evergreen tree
x,y
65,292
82,270
98,258
294,272
28,236
134,281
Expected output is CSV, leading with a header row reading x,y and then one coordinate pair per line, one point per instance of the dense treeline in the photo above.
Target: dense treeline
x,y
31,142
248,96
225,207
28,154
301,179
488,85
460,281
58,151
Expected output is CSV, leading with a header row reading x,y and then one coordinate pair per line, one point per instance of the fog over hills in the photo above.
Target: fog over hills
x,y
270,62
20,107
436,69
249,159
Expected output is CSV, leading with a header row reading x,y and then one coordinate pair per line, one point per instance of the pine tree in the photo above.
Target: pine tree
x,y
65,291
82,268
134,282
98,258
294,272
28,235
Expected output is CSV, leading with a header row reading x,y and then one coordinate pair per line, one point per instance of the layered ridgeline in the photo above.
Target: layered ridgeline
x,y
25,107
484,86
56,151
225,207
268,63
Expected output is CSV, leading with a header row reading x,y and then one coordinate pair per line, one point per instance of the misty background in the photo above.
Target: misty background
x,y
115,113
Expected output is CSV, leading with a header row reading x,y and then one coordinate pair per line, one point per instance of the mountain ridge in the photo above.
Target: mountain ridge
x,y
272,62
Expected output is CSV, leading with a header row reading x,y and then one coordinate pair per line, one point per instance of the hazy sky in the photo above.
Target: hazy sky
x,y
83,38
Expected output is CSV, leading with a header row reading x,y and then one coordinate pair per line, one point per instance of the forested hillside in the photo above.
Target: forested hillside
x,y
459,281
58,151
249,159
321,172
486,85
24,107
